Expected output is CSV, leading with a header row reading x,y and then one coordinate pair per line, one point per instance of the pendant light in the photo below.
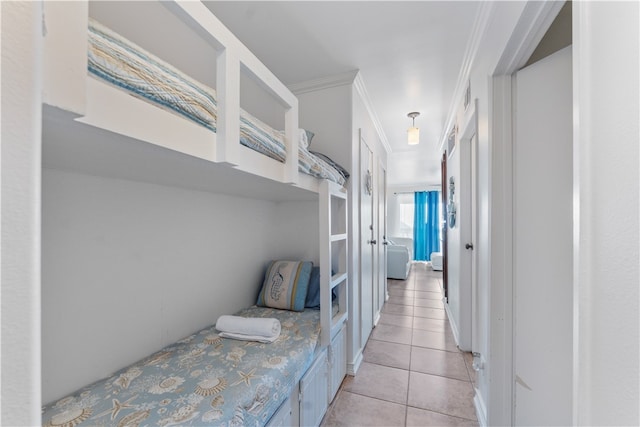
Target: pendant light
x,y
413,133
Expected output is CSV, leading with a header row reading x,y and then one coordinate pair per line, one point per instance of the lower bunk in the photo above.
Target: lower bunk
x,y
205,379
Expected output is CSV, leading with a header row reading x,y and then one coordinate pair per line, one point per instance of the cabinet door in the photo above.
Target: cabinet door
x,y
313,392
283,416
338,361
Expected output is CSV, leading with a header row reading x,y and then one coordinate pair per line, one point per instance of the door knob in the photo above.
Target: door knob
x,y
373,242
468,246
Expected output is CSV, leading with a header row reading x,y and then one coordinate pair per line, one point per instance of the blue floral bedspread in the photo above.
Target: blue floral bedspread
x,y
201,380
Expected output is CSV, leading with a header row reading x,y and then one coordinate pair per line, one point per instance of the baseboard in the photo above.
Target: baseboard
x,y
454,326
481,409
353,367
376,319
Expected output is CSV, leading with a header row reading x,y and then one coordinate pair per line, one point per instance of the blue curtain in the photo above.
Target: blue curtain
x,y
426,229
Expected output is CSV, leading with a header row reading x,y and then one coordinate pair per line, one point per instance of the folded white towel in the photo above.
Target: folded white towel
x,y
262,329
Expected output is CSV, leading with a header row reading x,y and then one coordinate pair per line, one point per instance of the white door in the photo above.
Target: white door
x,y
542,243
381,294
466,298
472,246
366,238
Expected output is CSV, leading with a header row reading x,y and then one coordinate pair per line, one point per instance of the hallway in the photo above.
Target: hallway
x,y
413,374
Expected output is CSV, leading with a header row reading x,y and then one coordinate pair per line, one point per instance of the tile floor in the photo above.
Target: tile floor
x,y
412,374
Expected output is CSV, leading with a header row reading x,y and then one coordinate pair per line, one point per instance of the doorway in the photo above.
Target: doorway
x,y
366,242
543,242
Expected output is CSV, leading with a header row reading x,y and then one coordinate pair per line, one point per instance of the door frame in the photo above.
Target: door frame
x,y
468,337
444,225
382,237
469,135
534,22
367,236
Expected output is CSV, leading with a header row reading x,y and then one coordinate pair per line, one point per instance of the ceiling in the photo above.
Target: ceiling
x,y
409,55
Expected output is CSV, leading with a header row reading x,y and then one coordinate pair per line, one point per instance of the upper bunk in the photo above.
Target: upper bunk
x,y
163,92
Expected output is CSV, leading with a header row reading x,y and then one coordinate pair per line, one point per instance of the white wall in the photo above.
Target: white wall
x,y
130,267
496,29
20,208
456,275
295,233
336,111
327,113
606,178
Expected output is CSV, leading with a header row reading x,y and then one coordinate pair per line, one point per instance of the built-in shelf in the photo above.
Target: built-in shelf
x,y
334,259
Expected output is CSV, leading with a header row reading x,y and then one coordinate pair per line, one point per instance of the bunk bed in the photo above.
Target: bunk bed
x,y
102,113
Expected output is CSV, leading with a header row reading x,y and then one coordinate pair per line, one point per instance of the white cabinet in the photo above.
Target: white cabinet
x,y
337,361
313,392
284,415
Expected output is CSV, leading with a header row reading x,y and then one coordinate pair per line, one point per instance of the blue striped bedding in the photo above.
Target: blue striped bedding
x,y
120,62
201,380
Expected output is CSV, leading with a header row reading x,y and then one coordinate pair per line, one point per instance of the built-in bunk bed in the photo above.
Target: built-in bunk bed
x,y
122,103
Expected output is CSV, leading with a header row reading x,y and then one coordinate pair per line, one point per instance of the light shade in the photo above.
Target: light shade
x,y
413,136
413,133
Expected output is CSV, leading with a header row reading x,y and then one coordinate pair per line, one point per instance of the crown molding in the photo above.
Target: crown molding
x,y
362,91
324,83
475,38
349,78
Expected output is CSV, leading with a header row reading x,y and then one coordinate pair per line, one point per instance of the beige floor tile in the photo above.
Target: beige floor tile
x,y
444,395
401,292
380,382
404,310
427,293
439,362
392,333
468,360
388,354
352,409
400,300
397,320
437,389
406,285
435,325
423,418
430,303
435,340
432,313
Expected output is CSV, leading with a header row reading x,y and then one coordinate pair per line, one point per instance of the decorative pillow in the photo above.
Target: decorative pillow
x,y
285,285
305,137
313,292
310,136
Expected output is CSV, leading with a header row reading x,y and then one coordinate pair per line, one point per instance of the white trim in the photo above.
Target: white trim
x,y
481,408
500,345
350,77
322,83
534,22
352,368
531,27
582,260
362,91
477,34
454,326
21,192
